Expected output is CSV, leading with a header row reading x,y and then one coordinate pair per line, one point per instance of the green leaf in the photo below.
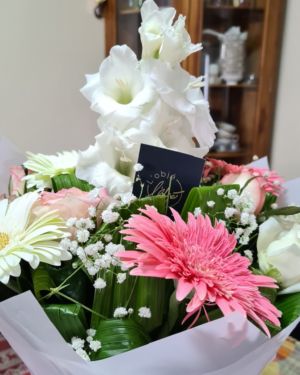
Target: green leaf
x,y
284,211
77,287
158,201
269,200
67,181
199,196
154,293
115,295
173,314
118,336
68,319
289,305
46,277
42,281
103,298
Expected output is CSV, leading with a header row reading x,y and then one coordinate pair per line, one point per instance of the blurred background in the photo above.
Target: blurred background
x,y
250,57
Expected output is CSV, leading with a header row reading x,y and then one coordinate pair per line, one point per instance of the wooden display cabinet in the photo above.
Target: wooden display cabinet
x,y
249,105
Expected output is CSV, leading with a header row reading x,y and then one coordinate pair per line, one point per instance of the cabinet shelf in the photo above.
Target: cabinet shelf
x,y
237,86
233,8
229,154
129,11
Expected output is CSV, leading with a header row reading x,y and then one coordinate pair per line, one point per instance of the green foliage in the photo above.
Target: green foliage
x,y
199,196
173,313
103,299
42,282
153,293
67,181
46,277
146,292
68,319
283,211
118,336
289,305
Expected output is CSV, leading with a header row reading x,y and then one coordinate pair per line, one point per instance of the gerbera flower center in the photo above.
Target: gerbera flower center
x,y
4,240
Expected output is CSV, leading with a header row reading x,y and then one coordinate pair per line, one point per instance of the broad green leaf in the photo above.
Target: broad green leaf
x,y
42,281
158,201
289,305
68,319
199,196
103,299
118,336
153,293
67,181
115,295
284,211
78,287
46,277
173,314
269,200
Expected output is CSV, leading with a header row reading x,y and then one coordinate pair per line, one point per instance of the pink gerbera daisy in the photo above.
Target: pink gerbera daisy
x,y
200,257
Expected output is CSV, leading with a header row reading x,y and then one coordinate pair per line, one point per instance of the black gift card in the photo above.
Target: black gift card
x,y
167,172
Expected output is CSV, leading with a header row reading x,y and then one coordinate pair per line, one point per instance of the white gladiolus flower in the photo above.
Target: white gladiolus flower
x,y
119,89
100,164
161,39
35,242
278,248
181,92
152,101
44,167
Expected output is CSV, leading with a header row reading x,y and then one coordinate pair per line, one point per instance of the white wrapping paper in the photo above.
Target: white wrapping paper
x,y
228,346
9,156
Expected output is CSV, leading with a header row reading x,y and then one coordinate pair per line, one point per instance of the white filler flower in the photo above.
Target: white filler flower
x,y
36,241
44,167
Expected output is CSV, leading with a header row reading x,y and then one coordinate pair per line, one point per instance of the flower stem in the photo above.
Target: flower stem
x,y
76,302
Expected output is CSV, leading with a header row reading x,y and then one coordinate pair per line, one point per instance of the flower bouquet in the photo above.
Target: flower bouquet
x,y
118,258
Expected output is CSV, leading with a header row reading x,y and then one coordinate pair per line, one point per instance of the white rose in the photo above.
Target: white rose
x,y
278,247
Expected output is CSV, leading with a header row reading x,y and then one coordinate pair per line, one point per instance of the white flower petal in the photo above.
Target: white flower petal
x,y
3,208
278,247
18,212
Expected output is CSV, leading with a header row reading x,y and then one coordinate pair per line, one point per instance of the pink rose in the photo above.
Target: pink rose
x,y
16,184
253,188
263,181
70,202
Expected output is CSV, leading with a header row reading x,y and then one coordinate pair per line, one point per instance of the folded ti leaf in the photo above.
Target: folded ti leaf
x,y
68,319
289,305
118,336
199,196
67,181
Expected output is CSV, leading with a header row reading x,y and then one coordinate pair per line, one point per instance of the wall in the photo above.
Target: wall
x,y
286,140
46,47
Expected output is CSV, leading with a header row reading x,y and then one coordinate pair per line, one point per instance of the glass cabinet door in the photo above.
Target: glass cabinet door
x,y
232,38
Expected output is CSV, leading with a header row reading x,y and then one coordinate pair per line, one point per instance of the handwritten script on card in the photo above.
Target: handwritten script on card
x,y
167,172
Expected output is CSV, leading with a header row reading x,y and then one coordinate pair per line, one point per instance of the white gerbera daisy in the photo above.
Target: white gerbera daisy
x,y
44,167
35,242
